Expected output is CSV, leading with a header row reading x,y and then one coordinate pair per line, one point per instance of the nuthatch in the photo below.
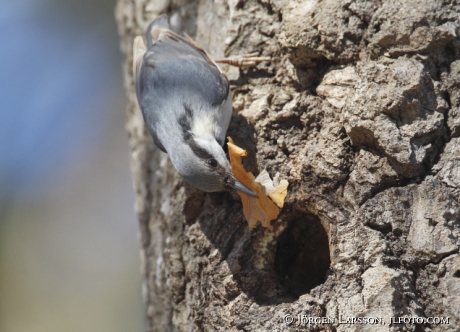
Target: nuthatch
x,y
187,105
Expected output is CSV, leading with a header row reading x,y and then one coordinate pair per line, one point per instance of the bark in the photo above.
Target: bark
x,y
360,111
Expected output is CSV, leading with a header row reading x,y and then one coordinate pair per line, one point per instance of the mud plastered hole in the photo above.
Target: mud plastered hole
x,y
302,257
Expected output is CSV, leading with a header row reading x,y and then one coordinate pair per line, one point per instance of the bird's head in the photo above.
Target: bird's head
x,y
205,166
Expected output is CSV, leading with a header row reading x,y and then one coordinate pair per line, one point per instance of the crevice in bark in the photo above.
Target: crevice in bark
x,y
388,184
311,75
382,228
267,6
243,134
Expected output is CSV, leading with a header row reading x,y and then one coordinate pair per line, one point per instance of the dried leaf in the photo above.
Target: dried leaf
x,y
255,209
264,180
276,189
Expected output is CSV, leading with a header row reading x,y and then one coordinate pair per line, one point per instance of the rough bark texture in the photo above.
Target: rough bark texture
x,y
360,111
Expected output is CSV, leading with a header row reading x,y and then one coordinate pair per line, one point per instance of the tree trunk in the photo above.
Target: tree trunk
x,y
360,112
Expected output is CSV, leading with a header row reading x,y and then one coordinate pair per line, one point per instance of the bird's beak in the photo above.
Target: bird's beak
x,y
237,185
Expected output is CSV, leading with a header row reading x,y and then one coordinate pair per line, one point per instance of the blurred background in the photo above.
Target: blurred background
x,y
68,233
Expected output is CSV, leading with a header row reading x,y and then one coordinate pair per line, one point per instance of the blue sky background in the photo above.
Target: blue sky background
x,y
57,78
68,232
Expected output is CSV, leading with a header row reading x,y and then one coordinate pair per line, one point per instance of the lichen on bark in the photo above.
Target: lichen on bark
x,y
360,111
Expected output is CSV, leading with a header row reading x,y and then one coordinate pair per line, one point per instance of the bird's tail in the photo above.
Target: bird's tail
x,y
152,33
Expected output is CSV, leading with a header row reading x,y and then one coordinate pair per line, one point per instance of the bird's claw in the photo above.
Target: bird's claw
x,y
247,60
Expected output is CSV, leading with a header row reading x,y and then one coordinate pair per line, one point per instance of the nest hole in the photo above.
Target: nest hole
x,y
302,257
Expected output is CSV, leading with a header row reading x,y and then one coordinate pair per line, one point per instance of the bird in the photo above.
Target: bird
x,y
186,103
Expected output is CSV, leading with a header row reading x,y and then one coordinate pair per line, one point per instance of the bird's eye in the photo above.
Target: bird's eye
x,y
211,162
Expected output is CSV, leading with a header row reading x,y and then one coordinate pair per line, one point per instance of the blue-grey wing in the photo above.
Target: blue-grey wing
x,y
176,73
174,60
186,77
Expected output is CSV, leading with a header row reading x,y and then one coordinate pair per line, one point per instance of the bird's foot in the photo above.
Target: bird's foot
x,y
247,60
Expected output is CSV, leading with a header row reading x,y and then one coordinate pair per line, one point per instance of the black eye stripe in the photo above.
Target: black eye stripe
x,y
198,150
